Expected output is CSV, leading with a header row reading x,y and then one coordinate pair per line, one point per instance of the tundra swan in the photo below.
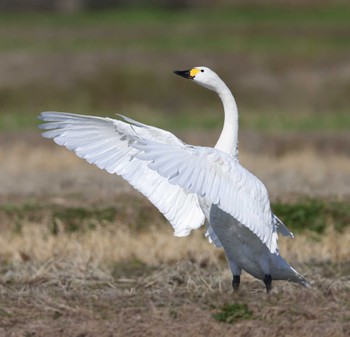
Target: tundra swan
x,y
188,184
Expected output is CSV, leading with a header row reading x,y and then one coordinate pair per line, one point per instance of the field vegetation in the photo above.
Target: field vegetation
x,y
82,254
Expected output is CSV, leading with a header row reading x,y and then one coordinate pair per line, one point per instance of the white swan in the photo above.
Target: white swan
x,y
188,184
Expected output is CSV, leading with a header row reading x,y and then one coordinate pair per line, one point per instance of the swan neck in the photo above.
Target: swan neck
x,y
228,140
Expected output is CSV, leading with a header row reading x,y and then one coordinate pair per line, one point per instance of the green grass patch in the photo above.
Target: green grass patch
x,y
266,121
221,29
314,215
136,215
67,219
18,214
189,118
270,120
232,313
279,14
78,219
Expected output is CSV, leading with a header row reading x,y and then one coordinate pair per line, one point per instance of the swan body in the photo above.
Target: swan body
x,y
188,184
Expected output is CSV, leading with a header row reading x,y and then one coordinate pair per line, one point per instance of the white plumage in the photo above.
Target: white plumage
x,y
188,184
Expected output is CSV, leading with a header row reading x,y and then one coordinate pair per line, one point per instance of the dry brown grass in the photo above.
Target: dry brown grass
x,y
114,281
154,246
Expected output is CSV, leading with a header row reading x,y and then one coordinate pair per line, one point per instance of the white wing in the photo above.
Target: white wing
x,y
219,178
106,142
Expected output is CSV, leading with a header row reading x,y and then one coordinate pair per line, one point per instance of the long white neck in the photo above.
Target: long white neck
x,y
228,141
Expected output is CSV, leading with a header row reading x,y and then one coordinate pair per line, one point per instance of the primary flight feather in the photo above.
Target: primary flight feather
x,y
188,184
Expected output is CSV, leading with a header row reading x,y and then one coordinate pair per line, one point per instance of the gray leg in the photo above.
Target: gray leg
x,y
268,281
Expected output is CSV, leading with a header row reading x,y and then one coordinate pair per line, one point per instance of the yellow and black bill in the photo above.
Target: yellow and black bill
x,y
189,74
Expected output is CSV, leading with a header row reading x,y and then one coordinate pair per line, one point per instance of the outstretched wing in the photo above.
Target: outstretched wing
x,y
219,178
106,143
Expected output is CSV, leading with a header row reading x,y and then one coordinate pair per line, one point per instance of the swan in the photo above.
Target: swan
x,y
190,185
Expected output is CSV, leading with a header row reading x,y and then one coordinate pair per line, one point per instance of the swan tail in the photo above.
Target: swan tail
x,y
281,270
300,279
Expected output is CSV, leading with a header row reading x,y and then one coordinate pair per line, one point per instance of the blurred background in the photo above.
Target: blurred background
x,y
288,65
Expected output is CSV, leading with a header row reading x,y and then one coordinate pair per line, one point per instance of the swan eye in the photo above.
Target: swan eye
x,y
202,70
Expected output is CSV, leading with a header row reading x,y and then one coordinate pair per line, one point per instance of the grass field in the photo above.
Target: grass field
x,y
82,254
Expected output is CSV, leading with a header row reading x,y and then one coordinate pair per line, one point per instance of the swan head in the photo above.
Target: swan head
x,y
203,76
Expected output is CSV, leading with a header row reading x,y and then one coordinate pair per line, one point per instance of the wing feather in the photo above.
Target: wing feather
x,y
107,143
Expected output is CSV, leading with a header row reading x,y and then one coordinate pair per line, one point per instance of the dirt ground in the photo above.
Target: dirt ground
x,y
177,300
116,280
